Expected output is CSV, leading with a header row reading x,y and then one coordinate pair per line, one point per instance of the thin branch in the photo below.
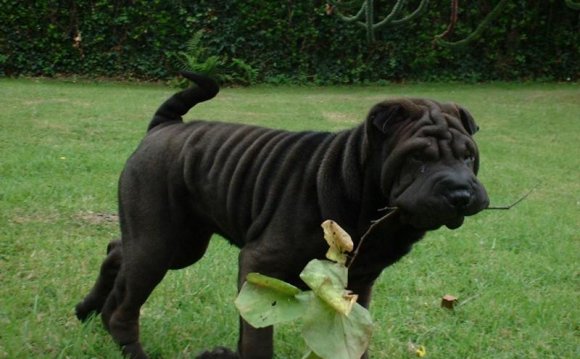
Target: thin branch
x,y
572,5
452,21
348,18
394,12
370,18
477,32
393,210
367,233
422,7
509,206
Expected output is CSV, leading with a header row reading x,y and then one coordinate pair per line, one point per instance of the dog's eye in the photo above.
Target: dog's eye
x,y
469,158
417,157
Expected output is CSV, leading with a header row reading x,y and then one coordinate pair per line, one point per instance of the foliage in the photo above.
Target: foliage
x,y
335,326
241,72
294,41
195,58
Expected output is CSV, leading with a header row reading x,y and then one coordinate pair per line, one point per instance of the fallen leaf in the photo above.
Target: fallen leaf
x,y
448,301
415,349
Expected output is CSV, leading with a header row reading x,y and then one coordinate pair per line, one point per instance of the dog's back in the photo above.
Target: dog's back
x,y
238,175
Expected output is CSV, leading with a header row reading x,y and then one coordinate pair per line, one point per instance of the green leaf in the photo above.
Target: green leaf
x,y
328,280
332,335
273,283
267,301
311,355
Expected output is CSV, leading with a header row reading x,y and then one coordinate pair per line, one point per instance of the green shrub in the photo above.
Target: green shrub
x,y
284,42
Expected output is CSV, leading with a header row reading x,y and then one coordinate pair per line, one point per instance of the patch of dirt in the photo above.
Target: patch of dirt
x,y
89,217
34,218
339,117
97,218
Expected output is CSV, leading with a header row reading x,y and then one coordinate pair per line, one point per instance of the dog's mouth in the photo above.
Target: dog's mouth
x,y
455,222
431,221
449,209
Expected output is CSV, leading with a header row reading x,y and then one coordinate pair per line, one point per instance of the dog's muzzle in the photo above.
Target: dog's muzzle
x,y
444,202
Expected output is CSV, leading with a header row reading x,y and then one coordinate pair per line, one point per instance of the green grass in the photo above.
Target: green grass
x,y
515,272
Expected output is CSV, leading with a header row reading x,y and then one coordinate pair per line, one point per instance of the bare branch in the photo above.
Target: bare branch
x,y
422,7
375,224
394,12
452,21
572,5
348,18
477,32
513,204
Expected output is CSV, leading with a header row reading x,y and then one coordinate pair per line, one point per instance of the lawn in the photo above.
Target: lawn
x,y
515,272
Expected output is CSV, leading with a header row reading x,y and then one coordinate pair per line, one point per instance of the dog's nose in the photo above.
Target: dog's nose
x,y
459,198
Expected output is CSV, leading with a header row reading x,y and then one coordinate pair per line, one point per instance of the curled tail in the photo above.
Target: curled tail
x,y
178,104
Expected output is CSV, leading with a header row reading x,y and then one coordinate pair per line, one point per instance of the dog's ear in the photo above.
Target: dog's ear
x,y
467,121
388,113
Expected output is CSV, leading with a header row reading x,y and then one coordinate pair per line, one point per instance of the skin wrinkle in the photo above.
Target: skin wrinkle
x,y
264,172
269,195
420,130
224,151
396,160
423,121
243,176
445,150
437,116
353,169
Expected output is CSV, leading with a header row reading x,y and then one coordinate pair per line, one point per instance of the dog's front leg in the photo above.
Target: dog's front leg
x,y
255,343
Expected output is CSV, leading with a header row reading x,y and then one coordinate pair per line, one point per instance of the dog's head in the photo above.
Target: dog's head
x,y
428,161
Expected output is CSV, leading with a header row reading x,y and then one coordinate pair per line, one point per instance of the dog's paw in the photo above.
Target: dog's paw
x,y
218,353
84,311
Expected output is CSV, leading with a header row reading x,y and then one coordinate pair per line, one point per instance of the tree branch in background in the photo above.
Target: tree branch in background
x,y
478,31
452,21
367,10
572,5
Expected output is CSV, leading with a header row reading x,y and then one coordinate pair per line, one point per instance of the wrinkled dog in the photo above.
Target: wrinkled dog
x,y
267,191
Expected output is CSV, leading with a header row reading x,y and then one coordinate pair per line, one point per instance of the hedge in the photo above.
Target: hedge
x,y
292,41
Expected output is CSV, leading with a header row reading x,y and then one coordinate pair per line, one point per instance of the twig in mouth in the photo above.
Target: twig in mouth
x,y
386,209
509,206
371,227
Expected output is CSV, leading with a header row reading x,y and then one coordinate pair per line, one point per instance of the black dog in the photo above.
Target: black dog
x,y
267,191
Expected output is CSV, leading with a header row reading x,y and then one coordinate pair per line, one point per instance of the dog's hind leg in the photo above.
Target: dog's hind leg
x,y
150,249
142,269
94,301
